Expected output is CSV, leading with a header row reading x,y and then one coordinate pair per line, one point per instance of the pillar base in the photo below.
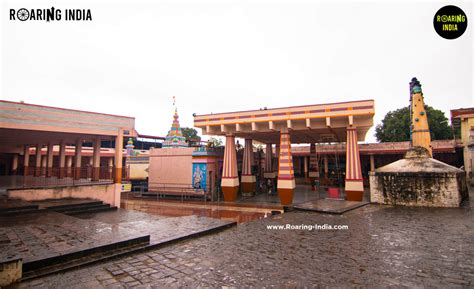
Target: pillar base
x,y
286,196
354,190
230,193
61,173
26,170
95,174
77,174
248,185
230,187
354,196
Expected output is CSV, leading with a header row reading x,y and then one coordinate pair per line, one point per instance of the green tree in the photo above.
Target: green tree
x,y
396,125
190,134
215,142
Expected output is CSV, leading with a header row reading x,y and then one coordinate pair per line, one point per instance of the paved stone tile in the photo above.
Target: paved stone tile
x,y
384,246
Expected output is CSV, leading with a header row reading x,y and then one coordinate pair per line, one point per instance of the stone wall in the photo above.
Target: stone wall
x,y
108,193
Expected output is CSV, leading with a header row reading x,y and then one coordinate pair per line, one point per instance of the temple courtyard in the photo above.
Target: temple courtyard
x,y
383,245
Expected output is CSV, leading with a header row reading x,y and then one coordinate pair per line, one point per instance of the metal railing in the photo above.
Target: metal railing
x,y
58,177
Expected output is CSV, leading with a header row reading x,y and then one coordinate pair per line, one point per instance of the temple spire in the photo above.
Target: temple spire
x,y
175,136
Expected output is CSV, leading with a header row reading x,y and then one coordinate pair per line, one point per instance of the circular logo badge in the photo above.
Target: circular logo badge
x,y
450,22
22,14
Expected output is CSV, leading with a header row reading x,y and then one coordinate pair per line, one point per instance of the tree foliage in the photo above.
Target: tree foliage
x,y
396,125
190,134
215,142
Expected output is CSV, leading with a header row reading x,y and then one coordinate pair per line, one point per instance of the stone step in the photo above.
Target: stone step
x,y
61,208
104,208
14,211
81,258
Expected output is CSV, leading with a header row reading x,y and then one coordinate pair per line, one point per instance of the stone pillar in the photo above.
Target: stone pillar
x,y
78,159
69,166
354,184
269,172
49,170
230,177
96,160
326,167
62,159
15,164
286,178
248,179
118,157
372,163
26,160
38,161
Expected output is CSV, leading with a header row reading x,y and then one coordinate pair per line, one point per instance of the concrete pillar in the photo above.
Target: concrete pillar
x,y
354,183
96,160
110,165
286,178
118,157
69,166
372,163
38,161
248,179
15,164
78,159
26,160
326,167
44,164
230,177
305,165
49,160
62,159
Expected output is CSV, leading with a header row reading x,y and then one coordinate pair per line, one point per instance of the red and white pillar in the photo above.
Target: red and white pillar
x,y
269,172
354,183
230,176
248,180
78,159
286,178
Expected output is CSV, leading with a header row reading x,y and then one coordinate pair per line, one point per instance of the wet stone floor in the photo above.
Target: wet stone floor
x,y
382,247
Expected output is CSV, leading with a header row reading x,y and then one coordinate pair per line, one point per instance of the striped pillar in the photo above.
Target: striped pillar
x,y
286,178
230,176
354,183
248,180
269,171
313,163
275,160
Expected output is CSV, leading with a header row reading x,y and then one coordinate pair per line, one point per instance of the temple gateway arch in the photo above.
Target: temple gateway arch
x,y
309,124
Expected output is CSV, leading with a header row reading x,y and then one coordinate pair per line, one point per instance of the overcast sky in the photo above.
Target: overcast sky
x,y
225,56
